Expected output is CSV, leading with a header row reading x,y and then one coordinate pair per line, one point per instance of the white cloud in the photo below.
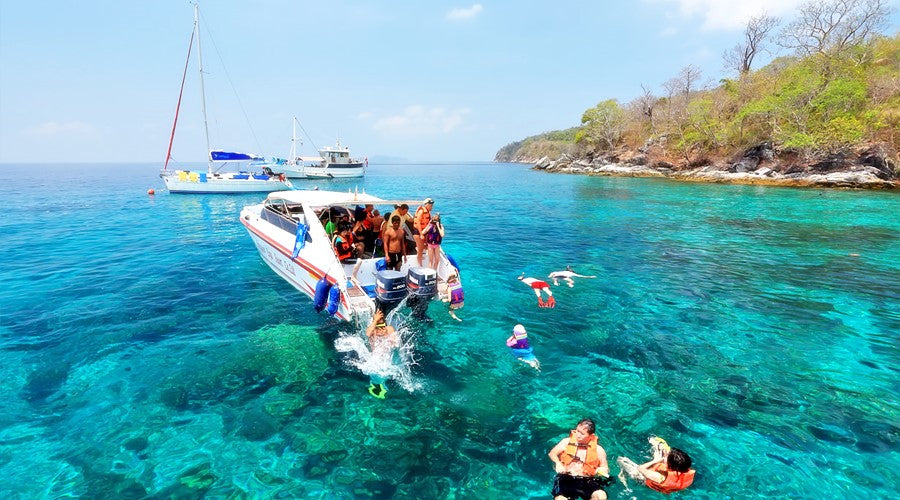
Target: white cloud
x,y
670,31
464,14
57,130
730,14
419,120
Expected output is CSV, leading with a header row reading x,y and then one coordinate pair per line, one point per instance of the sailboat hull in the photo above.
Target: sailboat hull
x,y
182,182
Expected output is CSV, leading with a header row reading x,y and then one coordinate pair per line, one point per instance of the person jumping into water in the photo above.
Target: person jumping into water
x,y
566,275
383,341
539,286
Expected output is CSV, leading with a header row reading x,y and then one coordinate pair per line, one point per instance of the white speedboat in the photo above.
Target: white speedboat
x,y
214,179
290,237
332,162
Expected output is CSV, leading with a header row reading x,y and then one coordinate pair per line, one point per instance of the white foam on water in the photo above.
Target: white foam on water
x,y
393,365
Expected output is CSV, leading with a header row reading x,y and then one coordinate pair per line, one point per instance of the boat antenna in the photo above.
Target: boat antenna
x,y
209,163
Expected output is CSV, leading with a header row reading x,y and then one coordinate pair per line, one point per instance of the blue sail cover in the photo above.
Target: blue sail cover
x,y
230,156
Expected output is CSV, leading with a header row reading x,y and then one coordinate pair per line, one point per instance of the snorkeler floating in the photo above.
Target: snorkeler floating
x,y
567,276
539,286
518,343
668,472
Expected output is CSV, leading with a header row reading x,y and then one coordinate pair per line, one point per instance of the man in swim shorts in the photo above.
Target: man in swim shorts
x,y
394,244
540,286
581,467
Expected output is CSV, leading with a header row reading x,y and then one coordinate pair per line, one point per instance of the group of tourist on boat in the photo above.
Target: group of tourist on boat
x,y
366,233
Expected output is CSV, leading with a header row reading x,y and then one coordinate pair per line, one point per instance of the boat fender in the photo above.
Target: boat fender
x,y
334,300
322,288
452,262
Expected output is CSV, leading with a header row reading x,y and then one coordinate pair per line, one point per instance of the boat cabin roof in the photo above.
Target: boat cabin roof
x,y
333,199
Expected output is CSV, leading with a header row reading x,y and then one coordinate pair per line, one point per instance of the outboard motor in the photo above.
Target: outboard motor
x,y
390,288
422,285
422,282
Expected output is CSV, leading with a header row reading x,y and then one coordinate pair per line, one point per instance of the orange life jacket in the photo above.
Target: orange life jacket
x,y
422,218
343,249
674,481
591,458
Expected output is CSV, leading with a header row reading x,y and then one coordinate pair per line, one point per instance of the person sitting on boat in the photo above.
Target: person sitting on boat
x,y
360,234
343,245
518,344
539,286
328,218
582,470
454,295
378,227
668,472
383,341
394,244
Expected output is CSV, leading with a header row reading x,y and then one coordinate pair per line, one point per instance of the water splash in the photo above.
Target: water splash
x,y
393,365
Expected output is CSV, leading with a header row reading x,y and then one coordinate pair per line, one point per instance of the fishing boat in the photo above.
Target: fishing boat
x,y
288,232
332,162
216,179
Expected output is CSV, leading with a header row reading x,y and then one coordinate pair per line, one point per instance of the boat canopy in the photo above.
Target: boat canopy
x,y
333,198
223,156
316,159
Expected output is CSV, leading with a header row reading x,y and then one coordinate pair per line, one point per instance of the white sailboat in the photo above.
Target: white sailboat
x,y
332,162
214,179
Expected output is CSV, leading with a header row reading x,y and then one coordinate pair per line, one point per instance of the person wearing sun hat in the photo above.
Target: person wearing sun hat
x,y
519,347
420,221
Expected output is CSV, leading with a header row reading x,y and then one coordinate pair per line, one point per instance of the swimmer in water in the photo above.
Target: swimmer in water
x,y
567,276
518,343
539,286
383,341
668,472
455,295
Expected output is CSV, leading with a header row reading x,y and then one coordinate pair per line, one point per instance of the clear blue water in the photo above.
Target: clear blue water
x,y
145,349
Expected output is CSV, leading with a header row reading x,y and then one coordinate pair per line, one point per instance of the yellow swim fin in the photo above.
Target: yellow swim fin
x,y
377,390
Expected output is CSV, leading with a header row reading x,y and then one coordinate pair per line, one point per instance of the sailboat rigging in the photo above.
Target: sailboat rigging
x,y
213,181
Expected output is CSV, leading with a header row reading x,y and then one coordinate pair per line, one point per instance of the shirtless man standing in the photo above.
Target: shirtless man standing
x,y
394,244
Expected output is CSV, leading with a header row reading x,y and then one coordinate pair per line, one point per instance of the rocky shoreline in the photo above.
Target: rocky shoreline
x,y
869,168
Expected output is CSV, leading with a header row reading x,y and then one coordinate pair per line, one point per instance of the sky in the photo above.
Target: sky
x,y
98,80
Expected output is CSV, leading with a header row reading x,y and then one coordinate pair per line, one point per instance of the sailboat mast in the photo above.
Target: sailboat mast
x,y
293,157
209,163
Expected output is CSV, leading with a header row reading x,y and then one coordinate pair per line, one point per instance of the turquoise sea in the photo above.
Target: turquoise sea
x,y
146,351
